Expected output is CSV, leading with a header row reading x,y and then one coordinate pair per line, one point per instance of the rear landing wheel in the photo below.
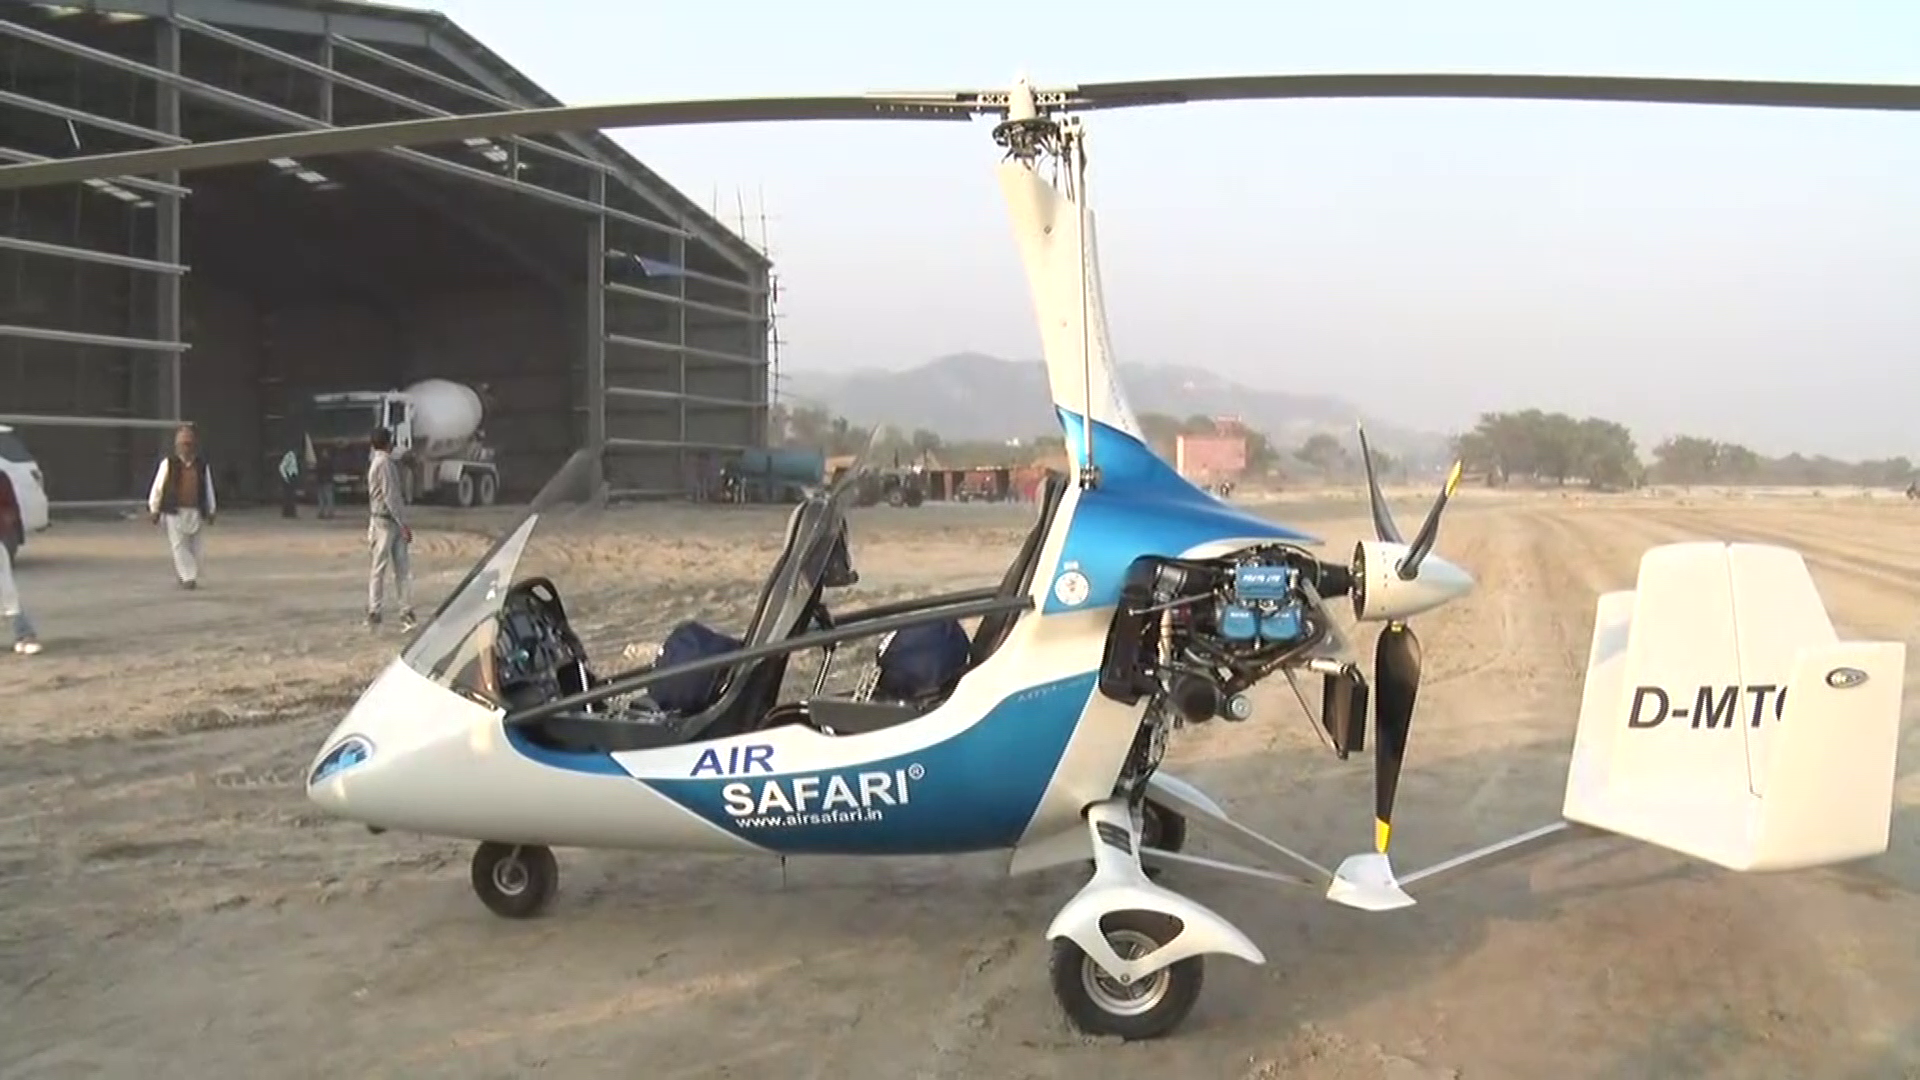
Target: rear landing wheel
x,y
515,881
1145,1008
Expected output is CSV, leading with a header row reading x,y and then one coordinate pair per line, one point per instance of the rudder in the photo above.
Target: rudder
x,y
1722,718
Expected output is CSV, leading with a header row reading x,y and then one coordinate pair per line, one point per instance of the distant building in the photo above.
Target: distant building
x,y
1217,458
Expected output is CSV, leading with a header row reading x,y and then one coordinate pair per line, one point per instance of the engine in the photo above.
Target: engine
x,y
1261,605
1193,635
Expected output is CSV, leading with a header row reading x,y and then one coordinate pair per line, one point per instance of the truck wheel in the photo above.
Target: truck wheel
x,y
896,497
464,490
489,488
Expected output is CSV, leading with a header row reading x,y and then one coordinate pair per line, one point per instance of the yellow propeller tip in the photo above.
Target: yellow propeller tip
x,y
1381,832
1453,479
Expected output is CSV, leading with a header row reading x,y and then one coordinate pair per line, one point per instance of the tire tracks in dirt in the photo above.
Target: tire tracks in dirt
x,y
1547,553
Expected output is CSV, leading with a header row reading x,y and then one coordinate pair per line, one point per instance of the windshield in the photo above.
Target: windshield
x,y
452,647
344,420
449,648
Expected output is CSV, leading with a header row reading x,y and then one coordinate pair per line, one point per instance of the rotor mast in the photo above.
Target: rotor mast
x,y
1029,134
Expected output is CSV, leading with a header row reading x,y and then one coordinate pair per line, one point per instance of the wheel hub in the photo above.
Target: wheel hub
x,y
510,876
1126,997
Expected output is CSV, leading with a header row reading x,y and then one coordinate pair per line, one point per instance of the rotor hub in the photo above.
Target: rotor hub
x,y
1026,138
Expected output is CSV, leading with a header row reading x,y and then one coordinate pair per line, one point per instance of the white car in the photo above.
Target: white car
x,y
28,486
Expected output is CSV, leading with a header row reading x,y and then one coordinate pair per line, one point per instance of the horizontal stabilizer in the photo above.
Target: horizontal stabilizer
x,y
1722,718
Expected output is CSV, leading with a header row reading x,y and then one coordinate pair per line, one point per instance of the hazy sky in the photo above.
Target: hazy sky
x,y
1750,274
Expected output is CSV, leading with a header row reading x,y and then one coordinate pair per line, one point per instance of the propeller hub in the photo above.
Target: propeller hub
x,y
1380,594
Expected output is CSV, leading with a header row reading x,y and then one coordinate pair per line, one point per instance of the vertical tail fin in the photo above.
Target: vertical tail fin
x,y
1722,718
1048,226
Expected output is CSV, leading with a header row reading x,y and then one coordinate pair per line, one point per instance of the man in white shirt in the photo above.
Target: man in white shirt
x,y
289,485
387,533
182,496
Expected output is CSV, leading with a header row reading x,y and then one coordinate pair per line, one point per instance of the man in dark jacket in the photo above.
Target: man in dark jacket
x,y
24,640
182,496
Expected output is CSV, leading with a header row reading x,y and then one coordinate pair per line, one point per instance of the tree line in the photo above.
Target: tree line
x,y
1552,448
817,428
1526,447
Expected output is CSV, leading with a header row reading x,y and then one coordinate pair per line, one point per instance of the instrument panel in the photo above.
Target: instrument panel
x,y
536,655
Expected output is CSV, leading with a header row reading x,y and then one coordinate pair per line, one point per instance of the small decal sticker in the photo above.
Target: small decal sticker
x,y
1845,678
1072,588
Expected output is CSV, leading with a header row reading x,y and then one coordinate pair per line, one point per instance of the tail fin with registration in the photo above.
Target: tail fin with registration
x,y
1724,719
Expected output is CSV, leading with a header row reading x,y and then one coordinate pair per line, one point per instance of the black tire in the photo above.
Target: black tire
x,y
1162,828
1097,1005
463,491
515,881
896,498
489,488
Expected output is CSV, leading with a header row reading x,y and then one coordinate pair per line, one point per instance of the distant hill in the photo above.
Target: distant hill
x,y
969,396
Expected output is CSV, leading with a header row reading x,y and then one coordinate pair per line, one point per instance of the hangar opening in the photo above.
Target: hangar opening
x,y
582,297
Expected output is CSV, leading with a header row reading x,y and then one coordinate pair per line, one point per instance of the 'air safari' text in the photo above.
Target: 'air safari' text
x,y
834,798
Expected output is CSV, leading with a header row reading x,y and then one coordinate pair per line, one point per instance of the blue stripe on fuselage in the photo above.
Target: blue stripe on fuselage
x,y
1142,507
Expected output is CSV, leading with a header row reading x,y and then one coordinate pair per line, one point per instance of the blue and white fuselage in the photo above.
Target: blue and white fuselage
x,y
1011,759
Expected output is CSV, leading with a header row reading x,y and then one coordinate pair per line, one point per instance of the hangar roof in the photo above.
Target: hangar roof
x,y
431,30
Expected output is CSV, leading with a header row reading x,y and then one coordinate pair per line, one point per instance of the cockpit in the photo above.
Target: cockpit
x,y
509,644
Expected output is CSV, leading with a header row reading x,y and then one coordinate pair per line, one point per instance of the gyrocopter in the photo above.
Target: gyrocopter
x,y
1721,717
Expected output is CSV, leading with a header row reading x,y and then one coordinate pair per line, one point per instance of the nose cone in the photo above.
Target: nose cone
x,y
1445,580
401,756
381,728
343,752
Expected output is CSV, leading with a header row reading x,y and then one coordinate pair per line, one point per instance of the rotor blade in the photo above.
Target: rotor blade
x,y
1788,95
1396,682
493,125
1383,526
960,105
1422,545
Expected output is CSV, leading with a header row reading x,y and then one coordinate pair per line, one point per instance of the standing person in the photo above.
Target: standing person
x,y
387,533
289,485
323,480
24,640
182,496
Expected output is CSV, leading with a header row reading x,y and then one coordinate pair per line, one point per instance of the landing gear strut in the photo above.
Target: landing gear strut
x,y
515,881
1161,828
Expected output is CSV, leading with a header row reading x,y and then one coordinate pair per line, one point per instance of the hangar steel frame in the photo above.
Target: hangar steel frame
x,y
649,247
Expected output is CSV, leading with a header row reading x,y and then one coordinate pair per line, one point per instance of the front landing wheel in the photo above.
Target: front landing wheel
x,y
515,881
1099,1004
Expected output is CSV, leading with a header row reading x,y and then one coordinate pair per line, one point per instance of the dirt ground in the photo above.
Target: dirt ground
x,y
170,905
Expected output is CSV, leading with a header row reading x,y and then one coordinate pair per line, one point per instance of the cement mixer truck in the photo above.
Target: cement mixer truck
x,y
436,441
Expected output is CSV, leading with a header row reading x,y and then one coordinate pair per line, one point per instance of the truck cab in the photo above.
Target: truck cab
x,y
460,470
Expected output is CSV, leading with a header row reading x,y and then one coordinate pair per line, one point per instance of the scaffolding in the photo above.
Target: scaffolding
x,y
665,358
